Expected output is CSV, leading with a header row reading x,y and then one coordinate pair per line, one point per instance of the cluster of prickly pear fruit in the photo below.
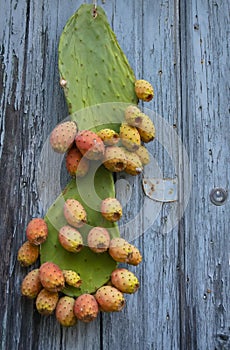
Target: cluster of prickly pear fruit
x,y
47,284
123,151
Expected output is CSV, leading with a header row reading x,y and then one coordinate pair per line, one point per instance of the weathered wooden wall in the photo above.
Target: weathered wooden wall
x,y
182,47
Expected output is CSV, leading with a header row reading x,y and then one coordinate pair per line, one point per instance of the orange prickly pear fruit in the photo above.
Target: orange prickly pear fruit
x,y
62,137
51,277
31,284
90,144
124,280
86,308
37,231
64,311
110,299
76,164
28,254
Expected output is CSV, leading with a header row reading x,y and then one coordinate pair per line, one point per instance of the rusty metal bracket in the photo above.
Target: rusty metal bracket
x,y
161,190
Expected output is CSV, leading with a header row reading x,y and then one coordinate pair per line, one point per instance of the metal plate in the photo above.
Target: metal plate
x,y
161,190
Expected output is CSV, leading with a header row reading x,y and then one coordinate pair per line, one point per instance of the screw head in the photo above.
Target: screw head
x,y
218,196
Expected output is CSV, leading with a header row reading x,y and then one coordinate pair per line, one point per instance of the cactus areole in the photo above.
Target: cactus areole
x,y
96,74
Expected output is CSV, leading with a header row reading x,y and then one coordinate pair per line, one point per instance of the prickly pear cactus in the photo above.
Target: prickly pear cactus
x,y
94,71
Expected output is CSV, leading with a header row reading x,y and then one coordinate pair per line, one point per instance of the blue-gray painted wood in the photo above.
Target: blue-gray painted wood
x,y
182,47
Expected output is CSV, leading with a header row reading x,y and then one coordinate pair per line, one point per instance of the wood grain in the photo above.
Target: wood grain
x,y
183,49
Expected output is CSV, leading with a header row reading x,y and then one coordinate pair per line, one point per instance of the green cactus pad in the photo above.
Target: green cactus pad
x,y
99,84
92,63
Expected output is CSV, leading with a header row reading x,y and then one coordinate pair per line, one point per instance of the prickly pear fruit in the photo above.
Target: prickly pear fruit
x,y
132,115
144,90
74,213
76,164
46,302
64,311
98,239
133,165
86,308
143,154
110,299
130,137
31,284
28,254
124,280
51,277
114,159
108,136
72,278
90,144
70,239
135,258
146,129
111,209
62,137
120,250
37,231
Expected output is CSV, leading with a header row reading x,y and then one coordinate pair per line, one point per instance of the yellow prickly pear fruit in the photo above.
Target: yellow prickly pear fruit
x,y
143,154
108,136
144,90
146,128
72,278
114,159
130,137
133,163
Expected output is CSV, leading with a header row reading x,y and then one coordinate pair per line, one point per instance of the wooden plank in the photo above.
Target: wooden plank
x,y
205,314
151,318
32,103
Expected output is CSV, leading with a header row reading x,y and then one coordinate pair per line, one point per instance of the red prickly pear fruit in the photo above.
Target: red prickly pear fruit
x,y
130,137
74,213
72,278
132,115
31,284
98,239
135,258
46,302
120,250
124,280
90,144
110,299
37,231
114,159
111,209
133,164
28,254
144,90
62,137
143,154
51,277
108,136
76,164
70,239
64,311
146,129
86,308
